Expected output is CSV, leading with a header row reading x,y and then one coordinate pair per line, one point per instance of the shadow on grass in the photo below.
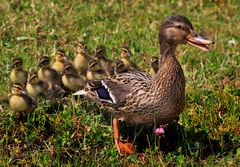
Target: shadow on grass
x,y
179,140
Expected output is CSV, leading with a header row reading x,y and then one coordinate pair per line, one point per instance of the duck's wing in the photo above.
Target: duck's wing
x,y
112,91
133,76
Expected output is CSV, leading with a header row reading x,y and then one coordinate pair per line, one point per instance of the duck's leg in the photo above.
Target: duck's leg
x,y
123,148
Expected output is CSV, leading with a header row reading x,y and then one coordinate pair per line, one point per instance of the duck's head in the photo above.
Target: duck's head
x,y
68,69
17,63
44,61
118,67
100,52
93,65
125,52
33,77
81,47
60,55
17,89
179,30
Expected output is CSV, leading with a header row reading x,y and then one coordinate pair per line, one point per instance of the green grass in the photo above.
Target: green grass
x,y
77,134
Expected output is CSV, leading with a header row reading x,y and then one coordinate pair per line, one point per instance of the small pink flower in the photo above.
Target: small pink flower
x,y
159,131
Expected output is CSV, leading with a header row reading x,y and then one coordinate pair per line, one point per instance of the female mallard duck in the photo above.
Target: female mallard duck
x,y
125,58
82,59
20,101
60,59
118,67
154,65
35,86
95,70
100,55
140,99
18,74
71,79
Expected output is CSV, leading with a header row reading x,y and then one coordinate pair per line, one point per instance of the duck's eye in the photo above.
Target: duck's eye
x,y
180,27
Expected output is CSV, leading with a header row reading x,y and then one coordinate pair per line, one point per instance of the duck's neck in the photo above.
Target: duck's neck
x,y
166,50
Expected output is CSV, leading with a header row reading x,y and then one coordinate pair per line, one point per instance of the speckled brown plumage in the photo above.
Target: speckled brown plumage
x,y
140,99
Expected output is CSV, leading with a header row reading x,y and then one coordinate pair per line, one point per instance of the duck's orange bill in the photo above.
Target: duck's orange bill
x,y
199,42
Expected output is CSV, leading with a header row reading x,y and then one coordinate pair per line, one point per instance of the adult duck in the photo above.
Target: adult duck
x,y
140,99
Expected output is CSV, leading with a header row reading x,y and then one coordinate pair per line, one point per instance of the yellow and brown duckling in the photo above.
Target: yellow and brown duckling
x,y
50,76
20,101
71,79
118,67
95,70
35,86
154,65
46,73
100,56
139,99
60,59
82,58
18,74
125,58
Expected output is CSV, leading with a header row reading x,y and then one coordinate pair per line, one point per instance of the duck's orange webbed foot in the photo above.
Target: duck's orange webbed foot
x,y
123,148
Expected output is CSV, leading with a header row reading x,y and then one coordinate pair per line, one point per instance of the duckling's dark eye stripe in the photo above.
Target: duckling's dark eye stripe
x,y
99,51
67,67
17,62
81,45
60,53
120,65
33,77
125,50
17,87
93,64
43,61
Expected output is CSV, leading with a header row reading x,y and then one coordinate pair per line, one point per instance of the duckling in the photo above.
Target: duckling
x,y
154,65
71,79
95,71
125,58
18,74
35,86
20,101
106,64
118,67
60,58
49,75
82,58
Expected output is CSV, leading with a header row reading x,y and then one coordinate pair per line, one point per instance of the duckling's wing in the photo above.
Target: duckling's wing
x,y
55,76
32,104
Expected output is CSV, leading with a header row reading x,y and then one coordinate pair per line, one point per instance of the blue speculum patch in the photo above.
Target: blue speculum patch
x,y
103,93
